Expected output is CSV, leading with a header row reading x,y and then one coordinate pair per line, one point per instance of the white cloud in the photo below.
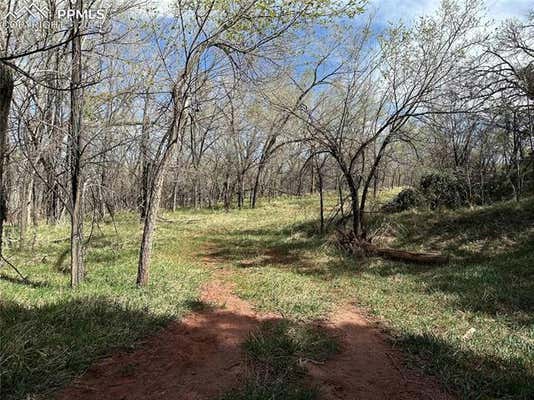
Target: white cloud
x,y
503,9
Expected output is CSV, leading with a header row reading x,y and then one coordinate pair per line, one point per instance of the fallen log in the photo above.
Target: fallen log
x,y
403,255
348,241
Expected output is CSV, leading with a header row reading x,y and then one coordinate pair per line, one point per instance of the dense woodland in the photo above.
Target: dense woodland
x,y
221,104
266,200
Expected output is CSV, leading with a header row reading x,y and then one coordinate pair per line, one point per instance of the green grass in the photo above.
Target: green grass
x,y
471,322
276,352
50,333
278,347
272,391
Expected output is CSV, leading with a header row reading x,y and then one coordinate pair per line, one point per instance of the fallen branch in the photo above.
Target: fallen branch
x,y
403,255
24,278
178,221
347,240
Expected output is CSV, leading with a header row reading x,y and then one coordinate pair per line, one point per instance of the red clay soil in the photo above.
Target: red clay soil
x,y
200,358
367,366
197,358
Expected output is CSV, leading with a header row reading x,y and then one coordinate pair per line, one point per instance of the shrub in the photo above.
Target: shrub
x,y
443,190
406,199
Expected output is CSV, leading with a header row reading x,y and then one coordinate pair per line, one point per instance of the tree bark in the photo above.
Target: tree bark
x,y
148,231
354,202
321,200
354,199
256,186
145,167
156,185
76,207
25,207
6,94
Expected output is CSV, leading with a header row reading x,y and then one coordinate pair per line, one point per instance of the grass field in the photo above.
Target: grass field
x,y
471,322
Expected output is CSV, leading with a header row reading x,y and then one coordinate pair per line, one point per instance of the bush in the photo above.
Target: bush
x,y
406,199
443,190
497,188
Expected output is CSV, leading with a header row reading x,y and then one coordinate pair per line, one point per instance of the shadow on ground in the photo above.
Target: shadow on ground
x,y
491,276
219,353
492,250
203,359
482,377
44,347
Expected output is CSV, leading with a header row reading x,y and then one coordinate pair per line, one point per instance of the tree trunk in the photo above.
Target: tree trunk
x,y
226,192
355,207
76,207
256,187
6,94
312,180
340,196
263,161
321,200
146,165
354,200
25,208
195,191
156,185
148,232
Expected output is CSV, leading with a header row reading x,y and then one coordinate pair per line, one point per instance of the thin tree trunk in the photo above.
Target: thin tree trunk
x,y
256,187
321,200
354,200
25,208
6,94
340,196
76,99
146,165
156,186
195,191
226,192
261,166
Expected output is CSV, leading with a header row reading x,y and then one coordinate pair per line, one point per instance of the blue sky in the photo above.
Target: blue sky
x,y
406,10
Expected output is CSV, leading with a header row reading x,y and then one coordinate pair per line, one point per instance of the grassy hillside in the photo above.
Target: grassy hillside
x,y
470,322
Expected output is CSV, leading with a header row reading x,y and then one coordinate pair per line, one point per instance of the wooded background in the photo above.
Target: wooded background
x,y
221,104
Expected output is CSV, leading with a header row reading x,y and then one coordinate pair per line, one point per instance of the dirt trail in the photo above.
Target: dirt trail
x,y
200,358
367,366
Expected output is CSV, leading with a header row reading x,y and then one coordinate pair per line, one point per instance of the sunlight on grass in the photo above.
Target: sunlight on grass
x,y
276,353
471,322
51,333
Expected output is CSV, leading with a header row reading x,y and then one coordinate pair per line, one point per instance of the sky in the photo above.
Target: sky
x,y
497,10
392,10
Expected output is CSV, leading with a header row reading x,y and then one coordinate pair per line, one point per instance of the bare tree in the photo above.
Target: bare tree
x,y
383,89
